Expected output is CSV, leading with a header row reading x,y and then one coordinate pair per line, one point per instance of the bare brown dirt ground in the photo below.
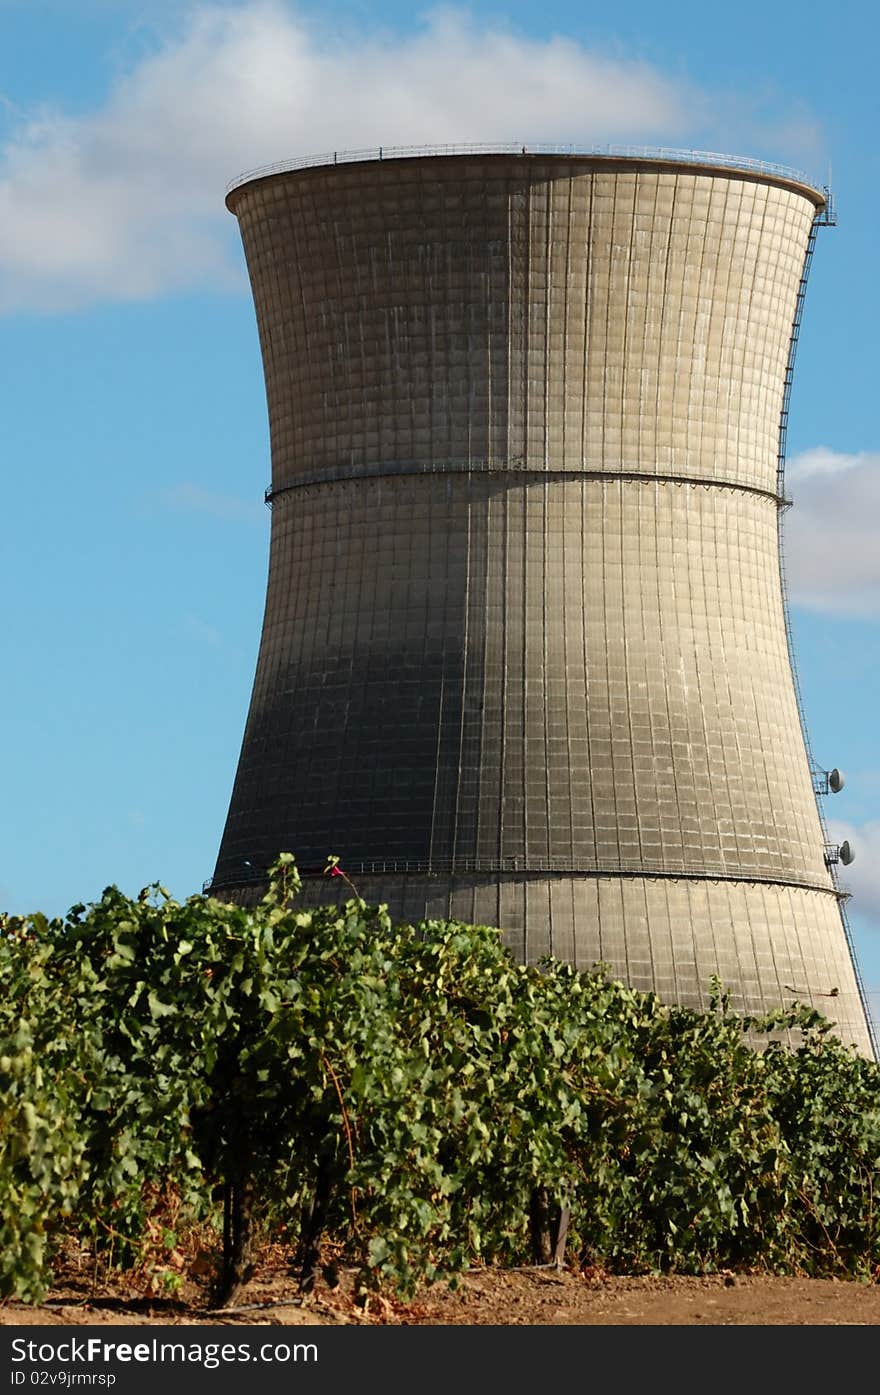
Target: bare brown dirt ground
x,y
493,1297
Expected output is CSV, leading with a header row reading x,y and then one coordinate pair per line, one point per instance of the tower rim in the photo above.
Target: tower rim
x,y
647,158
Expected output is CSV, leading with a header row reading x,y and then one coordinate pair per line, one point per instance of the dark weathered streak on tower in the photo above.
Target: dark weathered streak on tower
x,y
524,655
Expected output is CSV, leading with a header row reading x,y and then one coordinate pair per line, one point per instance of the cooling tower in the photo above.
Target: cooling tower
x,y
524,658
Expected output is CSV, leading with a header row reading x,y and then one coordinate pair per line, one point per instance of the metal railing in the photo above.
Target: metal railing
x,y
641,867
655,153
826,217
518,468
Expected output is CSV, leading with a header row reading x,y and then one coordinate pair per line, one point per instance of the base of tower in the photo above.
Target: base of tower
x,y
769,944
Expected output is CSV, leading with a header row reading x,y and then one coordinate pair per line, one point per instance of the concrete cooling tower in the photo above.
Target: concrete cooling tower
x,y
525,653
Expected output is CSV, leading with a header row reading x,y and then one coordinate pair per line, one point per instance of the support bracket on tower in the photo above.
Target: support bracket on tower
x,y
828,781
839,852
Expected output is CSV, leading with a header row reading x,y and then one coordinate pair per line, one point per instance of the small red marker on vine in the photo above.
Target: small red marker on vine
x,y
335,870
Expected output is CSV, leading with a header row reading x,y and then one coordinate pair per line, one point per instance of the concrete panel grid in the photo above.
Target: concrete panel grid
x,y
524,655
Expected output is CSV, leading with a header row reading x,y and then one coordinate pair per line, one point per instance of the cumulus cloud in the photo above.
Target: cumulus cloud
x,y
126,202
831,551
861,877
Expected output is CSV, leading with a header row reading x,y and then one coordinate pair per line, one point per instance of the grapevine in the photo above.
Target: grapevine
x,y
410,1094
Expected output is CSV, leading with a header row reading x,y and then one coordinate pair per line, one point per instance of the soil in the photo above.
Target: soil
x,y
525,1297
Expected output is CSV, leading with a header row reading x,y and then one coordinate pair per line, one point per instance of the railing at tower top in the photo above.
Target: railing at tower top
x,y
745,164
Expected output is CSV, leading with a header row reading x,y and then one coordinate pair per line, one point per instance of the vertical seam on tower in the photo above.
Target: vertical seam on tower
x,y
505,504
769,801
464,673
545,539
720,509
661,498
563,512
701,414
548,290
635,491
527,344
437,771
607,317
751,834
588,273
625,341
693,523
486,625
606,487
648,498
599,489
664,309
505,631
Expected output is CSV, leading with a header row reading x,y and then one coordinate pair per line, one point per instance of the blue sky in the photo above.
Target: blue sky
x,y
132,415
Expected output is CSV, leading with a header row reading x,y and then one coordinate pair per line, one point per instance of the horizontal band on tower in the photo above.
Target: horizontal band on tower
x,y
344,473
513,866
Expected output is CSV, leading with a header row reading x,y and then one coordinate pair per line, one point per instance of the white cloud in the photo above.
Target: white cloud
x,y
862,876
832,534
126,202
862,879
